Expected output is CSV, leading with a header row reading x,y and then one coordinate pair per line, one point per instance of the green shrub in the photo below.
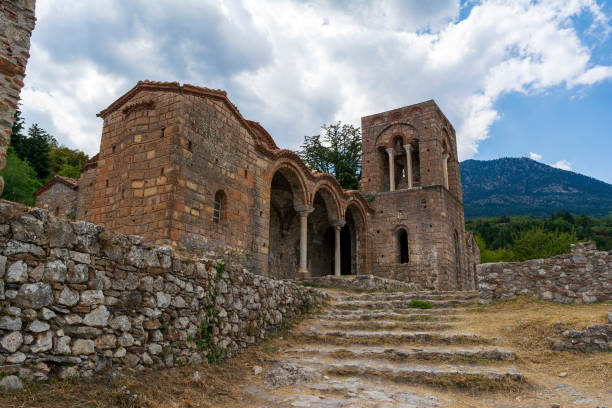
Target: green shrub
x,y
420,304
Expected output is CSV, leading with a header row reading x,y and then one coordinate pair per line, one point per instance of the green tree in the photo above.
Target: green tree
x,y
37,147
66,162
20,181
537,243
336,151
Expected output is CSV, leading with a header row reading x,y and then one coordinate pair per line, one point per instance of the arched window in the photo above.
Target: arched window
x,y
219,207
403,256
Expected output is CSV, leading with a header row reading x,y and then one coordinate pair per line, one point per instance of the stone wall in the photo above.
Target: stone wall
x,y
16,24
75,299
584,276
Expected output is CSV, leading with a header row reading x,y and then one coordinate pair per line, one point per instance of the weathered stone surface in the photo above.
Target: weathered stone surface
x,y
121,323
62,345
78,273
16,358
11,382
10,323
12,341
44,342
55,271
17,272
37,326
68,297
81,346
35,295
98,317
92,297
107,341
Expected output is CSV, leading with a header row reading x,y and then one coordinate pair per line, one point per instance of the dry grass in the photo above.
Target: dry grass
x,y
176,387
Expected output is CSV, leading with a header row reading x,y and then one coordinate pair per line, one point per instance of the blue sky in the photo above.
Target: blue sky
x,y
516,77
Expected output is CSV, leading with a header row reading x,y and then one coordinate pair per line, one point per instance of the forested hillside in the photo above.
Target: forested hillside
x,y
33,158
521,186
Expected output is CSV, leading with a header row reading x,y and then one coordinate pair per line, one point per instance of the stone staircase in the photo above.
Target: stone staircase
x,y
375,350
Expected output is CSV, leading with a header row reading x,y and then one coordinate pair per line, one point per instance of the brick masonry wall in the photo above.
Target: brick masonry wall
x,y
59,200
16,24
583,276
76,299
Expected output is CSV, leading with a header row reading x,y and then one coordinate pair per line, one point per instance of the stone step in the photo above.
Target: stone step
x,y
406,296
383,325
345,337
410,315
472,378
467,378
396,304
447,353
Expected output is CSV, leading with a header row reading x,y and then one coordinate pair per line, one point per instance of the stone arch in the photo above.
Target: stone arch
x,y
386,136
355,238
331,196
288,191
293,173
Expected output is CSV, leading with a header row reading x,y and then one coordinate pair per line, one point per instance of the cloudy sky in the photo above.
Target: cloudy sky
x,y
516,77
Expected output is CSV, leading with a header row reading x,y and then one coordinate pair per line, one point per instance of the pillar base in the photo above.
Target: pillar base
x,y
302,274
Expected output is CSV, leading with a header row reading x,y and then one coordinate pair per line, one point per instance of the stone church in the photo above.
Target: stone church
x,y
180,166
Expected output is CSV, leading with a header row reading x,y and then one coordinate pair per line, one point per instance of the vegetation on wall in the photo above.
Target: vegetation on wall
x,y
34,159
337,151
514,239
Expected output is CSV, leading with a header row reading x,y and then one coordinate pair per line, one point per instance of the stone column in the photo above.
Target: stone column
x,y
337,256
304,211
445,168
391,153
408,149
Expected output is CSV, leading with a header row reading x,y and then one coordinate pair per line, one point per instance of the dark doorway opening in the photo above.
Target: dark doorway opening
x,y
345,250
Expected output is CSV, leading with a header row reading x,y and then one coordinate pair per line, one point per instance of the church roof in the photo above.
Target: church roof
x,y
67,181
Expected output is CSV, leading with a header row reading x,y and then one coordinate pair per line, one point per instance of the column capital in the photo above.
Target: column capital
x,y
338,224
304,210
408,148
390,151
446,156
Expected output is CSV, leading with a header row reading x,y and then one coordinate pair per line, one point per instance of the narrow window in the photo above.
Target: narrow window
x,y
219,207
114,148
163,129
57,210
402,243
189,146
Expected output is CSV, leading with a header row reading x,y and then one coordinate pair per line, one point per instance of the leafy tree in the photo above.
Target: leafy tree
x,y
39,145
20,181
537,243
66,162
336,151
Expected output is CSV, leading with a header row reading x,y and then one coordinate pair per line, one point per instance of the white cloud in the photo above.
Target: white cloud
x,y
563,165
283,67
535,156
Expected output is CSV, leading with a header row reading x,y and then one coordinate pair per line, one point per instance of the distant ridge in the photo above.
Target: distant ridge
x,y
521,186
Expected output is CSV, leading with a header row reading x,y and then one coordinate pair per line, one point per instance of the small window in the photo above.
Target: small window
x,y
402,246
219,207
190,146
163,129
114,149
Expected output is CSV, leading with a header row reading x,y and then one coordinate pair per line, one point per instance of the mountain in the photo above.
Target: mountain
x,y
521,186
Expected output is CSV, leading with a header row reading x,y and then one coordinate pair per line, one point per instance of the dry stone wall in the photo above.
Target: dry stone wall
x,y
75,300
584,276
